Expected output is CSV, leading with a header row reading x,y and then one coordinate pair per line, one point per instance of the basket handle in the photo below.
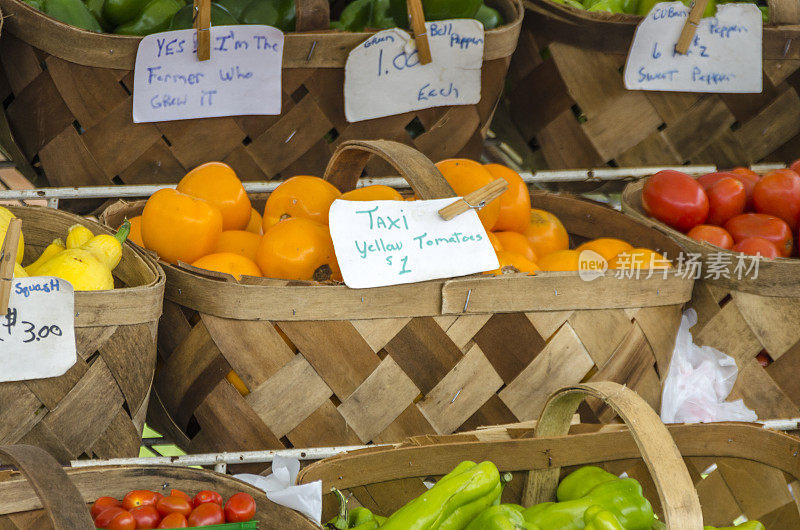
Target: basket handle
x,y
784,12
351,157
61,500
312,15
675,487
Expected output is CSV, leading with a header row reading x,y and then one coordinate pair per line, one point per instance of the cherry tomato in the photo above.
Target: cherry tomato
x,y
207,514
174,520
726,199
749,178
778,194
756,246
102,503
146,516
207,496
240,508
103,519
135,498
122,521
795,166
173,504
676,199
712,234
179,493
764,226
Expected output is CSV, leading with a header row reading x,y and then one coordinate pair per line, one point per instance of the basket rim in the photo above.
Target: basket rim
x,y
107,50
779,274
120,306
220,295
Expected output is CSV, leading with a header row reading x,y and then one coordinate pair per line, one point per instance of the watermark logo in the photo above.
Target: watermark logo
x,y
591,265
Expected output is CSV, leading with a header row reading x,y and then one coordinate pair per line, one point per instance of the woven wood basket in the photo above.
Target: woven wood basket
x,y
727,470
573,106
745,317
44,495
72,106
98,407
329,365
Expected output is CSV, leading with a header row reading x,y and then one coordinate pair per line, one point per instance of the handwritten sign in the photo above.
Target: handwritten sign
x,y
384,76
725,55
382,243
37,334
243,76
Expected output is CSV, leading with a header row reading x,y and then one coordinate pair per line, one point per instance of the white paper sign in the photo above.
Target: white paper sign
x,y
383,75
724,57
37,334
382,243
243,76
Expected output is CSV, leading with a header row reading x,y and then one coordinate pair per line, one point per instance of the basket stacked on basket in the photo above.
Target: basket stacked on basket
x,y
329,365
568,97
72,106
98,407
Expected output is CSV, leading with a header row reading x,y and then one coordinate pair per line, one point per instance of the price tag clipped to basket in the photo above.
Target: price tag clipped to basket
x,y
242,76
722,53
381,243
384,75
37,320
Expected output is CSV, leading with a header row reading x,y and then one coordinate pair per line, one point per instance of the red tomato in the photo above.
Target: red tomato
x,y
103,519
763,359
179,493
712,234
749,178
207,514
174,520
102,503
726,199
207,496
173,504
240,508
122,521
135,498
676,199
146,516
795,166
778,194
757,246
764,226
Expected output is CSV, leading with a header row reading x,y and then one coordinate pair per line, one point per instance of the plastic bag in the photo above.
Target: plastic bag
x,y
700,379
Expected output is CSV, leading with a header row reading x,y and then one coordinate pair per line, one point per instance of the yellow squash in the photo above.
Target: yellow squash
x,y
78,236
50,251
5,218
19,272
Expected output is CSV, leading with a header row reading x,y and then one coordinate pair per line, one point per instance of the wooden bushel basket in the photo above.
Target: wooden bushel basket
x,y
98,407
745,317
72,106
733,469
330,365
573,105
44,495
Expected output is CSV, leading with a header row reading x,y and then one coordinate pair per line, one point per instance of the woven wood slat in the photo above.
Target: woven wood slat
x,y
96,408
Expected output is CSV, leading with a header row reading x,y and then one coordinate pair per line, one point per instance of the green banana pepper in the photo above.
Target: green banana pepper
x,y
622,497
183,19
435,506
489,17
155,17
362,14
581,481
72,12
435,10
36,4
598,518
501,517
749,525
464,514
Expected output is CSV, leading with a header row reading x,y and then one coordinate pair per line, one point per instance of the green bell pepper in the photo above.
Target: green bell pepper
x,y
183,19
435,10
356,519
72,12
155,17
749,525
432,508
621,497
501,517
597,518
234,7
277,13
489,17
36,4
581,481
118,12
362,14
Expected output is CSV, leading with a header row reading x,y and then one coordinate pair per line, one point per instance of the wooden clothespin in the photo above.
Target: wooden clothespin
x,y
8,257
202,23
690,28
475,200
419,30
